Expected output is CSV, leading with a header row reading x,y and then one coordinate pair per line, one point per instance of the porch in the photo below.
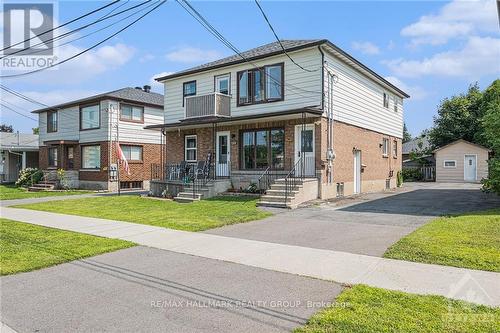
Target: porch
x,y
239,152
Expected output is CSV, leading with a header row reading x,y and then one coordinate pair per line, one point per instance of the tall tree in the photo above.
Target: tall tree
x,y
6,128
406,135
459,117
490,105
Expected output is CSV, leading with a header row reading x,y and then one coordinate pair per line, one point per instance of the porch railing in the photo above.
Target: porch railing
x,y
212,104
305,167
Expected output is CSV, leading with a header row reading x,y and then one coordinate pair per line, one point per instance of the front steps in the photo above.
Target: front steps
x,y
211,189
304,190
47,186
187,197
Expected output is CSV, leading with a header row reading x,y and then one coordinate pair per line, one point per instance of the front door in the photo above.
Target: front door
x,y
223,158
357,171
470,168
304,150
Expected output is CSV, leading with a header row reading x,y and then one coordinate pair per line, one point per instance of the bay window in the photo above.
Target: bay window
x,y
91,157
263,148
90,117
261,85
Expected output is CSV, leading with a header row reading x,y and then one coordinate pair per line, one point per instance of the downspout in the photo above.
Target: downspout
x,y
322,77
330,152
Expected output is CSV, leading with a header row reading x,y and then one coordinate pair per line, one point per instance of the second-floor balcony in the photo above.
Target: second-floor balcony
x,y
212,104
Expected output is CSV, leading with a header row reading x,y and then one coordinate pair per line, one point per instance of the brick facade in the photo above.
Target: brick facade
x,y
139,170
377,168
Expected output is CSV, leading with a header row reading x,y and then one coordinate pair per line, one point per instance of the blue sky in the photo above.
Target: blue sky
x,y
431,49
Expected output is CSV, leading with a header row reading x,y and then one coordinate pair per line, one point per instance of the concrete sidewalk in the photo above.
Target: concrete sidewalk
x,y
342,267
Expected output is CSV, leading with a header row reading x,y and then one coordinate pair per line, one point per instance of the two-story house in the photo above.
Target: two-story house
x,y
322,125
80,137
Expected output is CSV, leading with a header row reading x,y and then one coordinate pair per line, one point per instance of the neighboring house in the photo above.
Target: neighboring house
x,y
461,161
18,151
79,136
336,126
417,145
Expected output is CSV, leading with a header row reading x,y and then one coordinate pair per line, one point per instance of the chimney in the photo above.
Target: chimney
x,y
147,88
138,88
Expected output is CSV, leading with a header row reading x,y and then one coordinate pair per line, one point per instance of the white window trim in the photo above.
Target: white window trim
x,y
386,152
223,76
186,148
450,167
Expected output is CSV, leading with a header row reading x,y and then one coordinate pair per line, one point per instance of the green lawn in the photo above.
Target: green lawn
x,y
470,240
10,192
197,216
26,247
366,309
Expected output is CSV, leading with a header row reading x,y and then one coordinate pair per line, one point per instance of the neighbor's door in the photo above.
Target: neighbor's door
x,y
304,147
470,168
357,171
223,158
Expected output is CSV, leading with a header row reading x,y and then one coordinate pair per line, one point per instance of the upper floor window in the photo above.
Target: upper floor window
x,y
385,146
132,113
51,121
386,100
188,89
261,85
395,104
222,84
90,117
132,153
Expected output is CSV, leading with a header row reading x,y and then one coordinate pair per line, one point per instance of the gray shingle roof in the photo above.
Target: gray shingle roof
x,y
413,144
264,50
127,94
24,141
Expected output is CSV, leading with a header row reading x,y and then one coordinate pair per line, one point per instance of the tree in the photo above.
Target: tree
x,y
6,128
406,135
490,105
459,117
36,130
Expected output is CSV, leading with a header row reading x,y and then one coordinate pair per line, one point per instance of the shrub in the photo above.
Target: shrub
x,y
399,178
412,174
25,175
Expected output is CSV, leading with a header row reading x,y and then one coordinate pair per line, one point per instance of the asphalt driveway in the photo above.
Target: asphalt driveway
x,y
142,289
368,224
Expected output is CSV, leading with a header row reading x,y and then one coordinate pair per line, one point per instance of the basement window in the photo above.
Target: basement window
x,y
131,185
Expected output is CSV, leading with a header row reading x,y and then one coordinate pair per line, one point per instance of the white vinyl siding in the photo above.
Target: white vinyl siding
x,y
306,90
359,100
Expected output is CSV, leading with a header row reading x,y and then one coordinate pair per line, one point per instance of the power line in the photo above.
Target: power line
x,y
71,32
62,25
18,94
204,22
98,30
279,41
89,48
19,113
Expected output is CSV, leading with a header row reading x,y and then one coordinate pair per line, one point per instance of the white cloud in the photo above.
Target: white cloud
x,y
456,19
157,86
365,47
478,57
147,57
84,67
415,92
193,55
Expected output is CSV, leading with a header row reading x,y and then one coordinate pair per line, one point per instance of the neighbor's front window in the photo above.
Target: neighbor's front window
x,y
260,85
263,148
190,149
53,157
188,89
90,117
131,113
132,153
91,157
385,147
51,121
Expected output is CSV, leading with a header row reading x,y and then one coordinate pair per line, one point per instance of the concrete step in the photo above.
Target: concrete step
x,y
272,204
282,187
280,192
41,185
189,195
275,198
38,189
185,200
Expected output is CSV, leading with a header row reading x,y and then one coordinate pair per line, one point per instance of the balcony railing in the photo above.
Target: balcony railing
x,y
213,104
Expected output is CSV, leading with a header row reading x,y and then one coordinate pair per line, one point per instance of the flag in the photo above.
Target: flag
x,y
122,158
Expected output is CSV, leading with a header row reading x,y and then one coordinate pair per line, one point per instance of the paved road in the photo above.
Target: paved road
x,y
149,290
370,223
